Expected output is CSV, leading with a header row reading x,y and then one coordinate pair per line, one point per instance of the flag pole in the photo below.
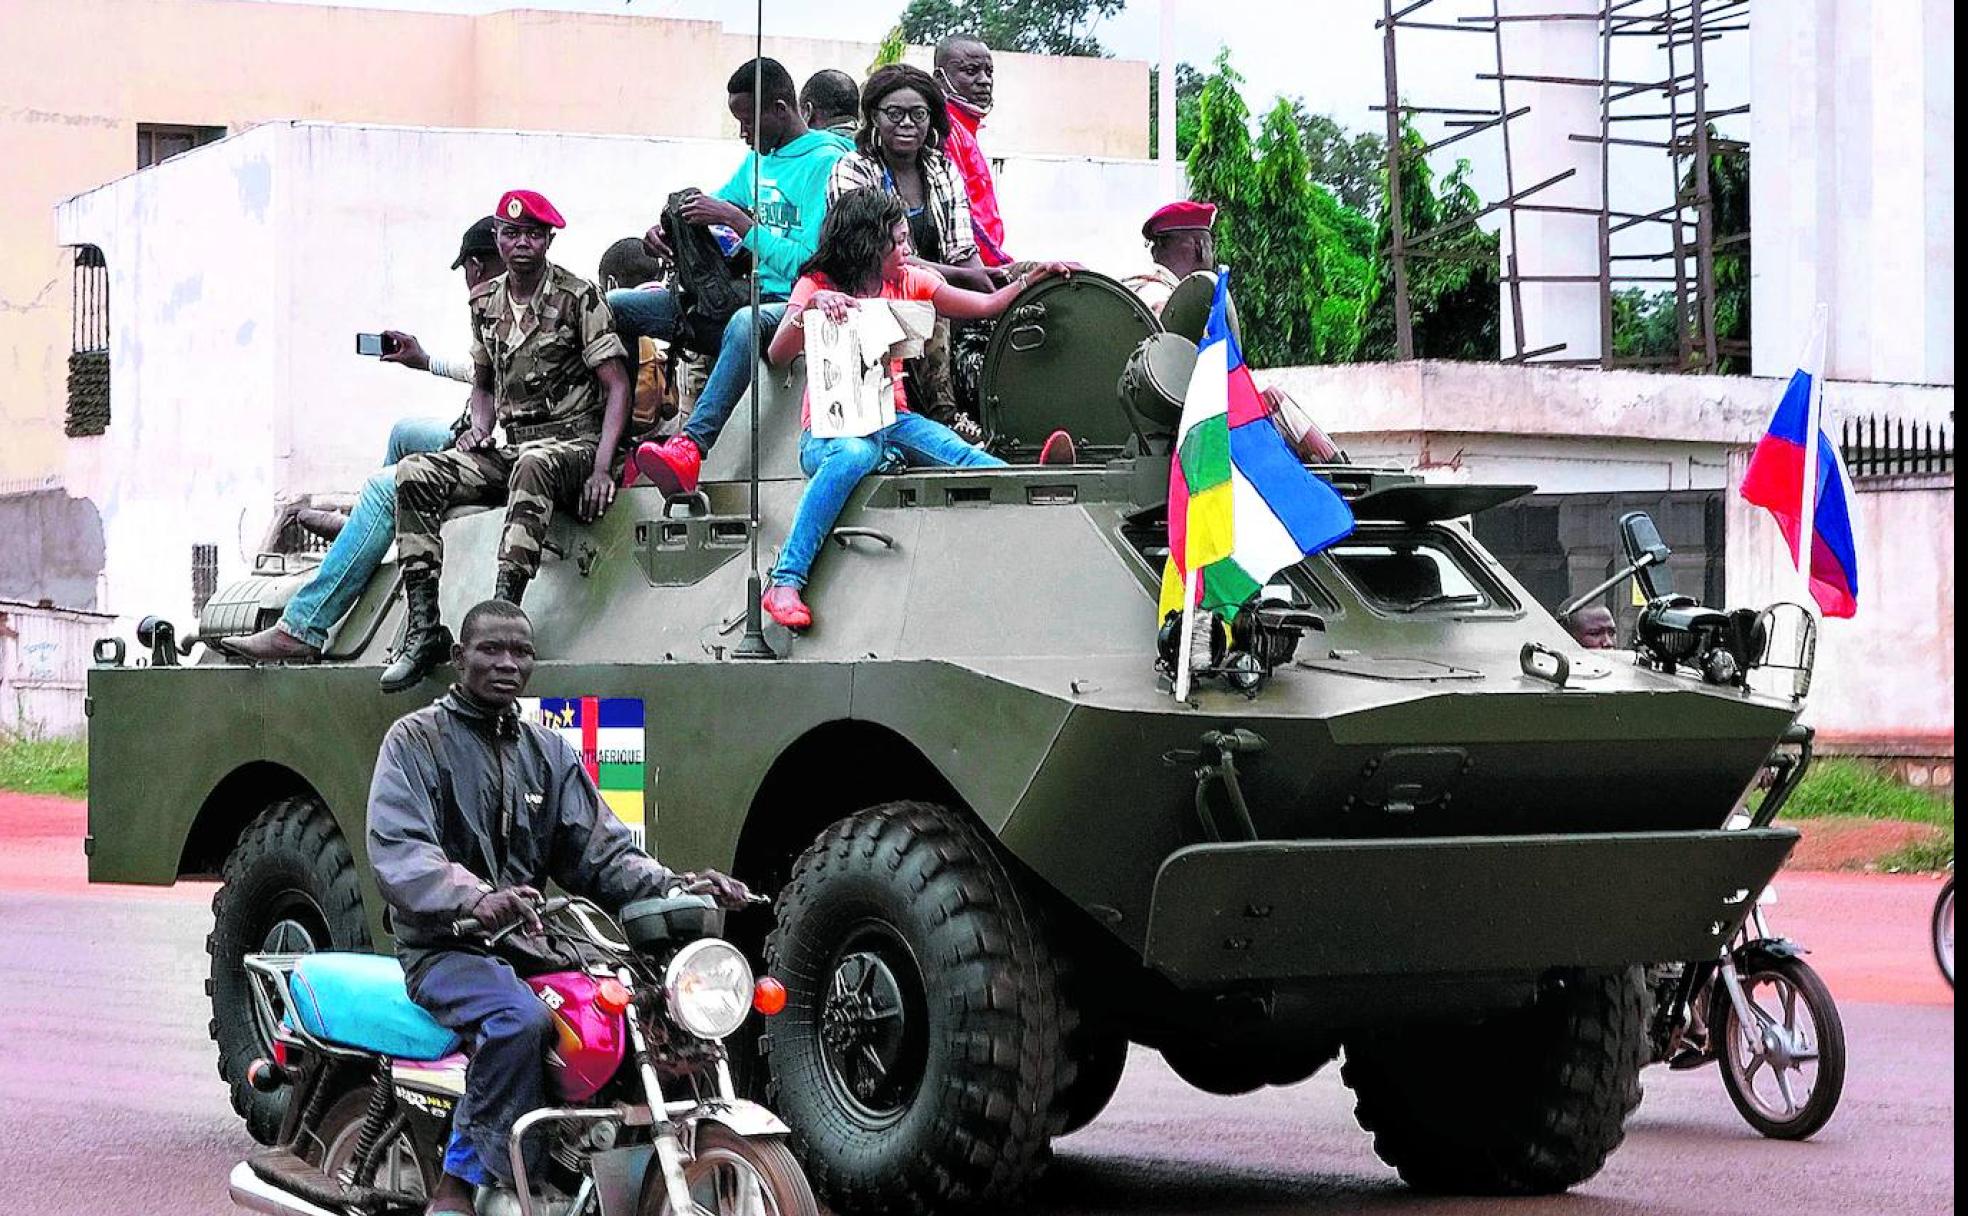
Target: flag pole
x,y
1188,634
1807,522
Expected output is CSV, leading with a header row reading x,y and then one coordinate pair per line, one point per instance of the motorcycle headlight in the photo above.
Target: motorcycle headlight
x,y
709,988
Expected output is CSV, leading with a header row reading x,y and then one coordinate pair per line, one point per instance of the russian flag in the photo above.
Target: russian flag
x,y
1775,481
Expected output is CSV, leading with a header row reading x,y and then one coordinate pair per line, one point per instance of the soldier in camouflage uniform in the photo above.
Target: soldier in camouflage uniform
x,y
550,371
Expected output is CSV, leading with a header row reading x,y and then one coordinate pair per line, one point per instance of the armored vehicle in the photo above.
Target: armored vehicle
x,y
1401,815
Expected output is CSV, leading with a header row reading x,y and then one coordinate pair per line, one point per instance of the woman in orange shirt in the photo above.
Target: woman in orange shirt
x,y
864,255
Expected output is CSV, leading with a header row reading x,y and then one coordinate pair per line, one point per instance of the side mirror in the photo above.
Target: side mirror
x,y
1647,553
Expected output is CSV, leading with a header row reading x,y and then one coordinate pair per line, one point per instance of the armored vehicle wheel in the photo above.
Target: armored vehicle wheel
x,y
288,887
1529,1103
1100,1057
921,1054
1233,1071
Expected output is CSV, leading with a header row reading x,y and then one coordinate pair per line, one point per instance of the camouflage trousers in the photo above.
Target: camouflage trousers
x,y
530,478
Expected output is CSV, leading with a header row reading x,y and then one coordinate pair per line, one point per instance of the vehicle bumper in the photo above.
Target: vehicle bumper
x,y
1444,906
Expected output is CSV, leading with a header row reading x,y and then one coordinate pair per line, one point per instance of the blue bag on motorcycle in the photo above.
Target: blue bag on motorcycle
x,y
358,1000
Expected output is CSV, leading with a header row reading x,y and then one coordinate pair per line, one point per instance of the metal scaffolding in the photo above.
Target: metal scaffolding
x,y
1675,91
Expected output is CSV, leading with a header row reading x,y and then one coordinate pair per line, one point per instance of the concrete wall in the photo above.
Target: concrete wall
x,y
53,549
1852,202
81,74
1567,430
1885,678
240,272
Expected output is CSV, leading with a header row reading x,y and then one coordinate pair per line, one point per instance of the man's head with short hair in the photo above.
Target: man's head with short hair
x,y
627,263
494,653
1594,628
829,98
966,71
777,104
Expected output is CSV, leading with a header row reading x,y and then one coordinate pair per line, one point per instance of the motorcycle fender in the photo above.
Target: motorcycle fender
x,y
618,1174
1766,947
746,1119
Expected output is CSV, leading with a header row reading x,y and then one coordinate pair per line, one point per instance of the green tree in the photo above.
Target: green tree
x,y
1644,323
1350,165
1301,261
893,46
1188,98
1452,290
1039,27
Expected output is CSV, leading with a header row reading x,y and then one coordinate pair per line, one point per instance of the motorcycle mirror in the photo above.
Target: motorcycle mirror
x,y
1647,553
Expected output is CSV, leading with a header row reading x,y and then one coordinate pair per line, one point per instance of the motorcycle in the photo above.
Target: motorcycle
x,y
1758,1008
649,1125
1943,928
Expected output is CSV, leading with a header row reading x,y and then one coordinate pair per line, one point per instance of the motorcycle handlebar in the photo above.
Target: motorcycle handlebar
x,y
466,926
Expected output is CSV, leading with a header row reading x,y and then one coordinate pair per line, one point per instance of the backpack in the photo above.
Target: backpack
x,y
708,286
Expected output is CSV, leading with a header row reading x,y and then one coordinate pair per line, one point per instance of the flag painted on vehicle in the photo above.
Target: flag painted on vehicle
x,y
607,733
1774,481
1241,507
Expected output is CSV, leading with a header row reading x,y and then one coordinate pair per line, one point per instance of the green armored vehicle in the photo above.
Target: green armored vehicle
x,y
1402,815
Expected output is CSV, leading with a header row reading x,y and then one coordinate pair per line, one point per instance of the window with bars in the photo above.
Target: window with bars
x,y
204,575
160,141
88,359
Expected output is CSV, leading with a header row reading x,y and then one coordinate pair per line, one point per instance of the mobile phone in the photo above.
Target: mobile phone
x,y
371,345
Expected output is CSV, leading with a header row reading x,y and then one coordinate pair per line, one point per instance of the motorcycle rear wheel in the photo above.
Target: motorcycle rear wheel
x,y
1799,1042
399,1167
1944,931
732,1175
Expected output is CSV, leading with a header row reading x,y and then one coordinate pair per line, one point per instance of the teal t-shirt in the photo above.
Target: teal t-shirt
x,y
791,202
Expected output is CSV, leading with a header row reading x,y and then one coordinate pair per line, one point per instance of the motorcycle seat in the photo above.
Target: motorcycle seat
x,y
358,1000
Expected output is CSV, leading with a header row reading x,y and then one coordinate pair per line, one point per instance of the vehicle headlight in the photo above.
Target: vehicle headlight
x,y
709,988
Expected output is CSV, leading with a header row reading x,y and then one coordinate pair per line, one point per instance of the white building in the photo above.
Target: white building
x,y
240,273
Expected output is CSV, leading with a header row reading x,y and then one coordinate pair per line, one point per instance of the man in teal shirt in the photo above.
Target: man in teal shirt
x,y
781,228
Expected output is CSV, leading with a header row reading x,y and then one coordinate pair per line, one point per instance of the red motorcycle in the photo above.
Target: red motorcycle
x,y
649,1123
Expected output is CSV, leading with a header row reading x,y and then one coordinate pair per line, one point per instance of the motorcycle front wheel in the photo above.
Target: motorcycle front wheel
x,y
1785,1072
732,1175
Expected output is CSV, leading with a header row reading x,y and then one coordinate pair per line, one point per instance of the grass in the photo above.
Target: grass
x,y
45,766
1849,789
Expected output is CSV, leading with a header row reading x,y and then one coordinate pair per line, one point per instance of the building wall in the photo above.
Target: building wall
x,y
69,110
240,273
1852,199
1885,679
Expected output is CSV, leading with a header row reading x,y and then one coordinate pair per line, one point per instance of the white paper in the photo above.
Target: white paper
x,y
849,384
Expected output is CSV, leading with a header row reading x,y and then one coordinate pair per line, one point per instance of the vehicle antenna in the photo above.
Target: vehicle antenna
x,y
753,645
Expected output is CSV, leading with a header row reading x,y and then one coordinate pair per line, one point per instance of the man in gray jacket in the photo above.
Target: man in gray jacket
x,y
472,812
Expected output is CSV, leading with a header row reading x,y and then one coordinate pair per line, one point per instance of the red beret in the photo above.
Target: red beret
x,y
1177,216
528,205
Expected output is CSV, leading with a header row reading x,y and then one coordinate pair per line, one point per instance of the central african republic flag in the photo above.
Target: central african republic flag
x,y
607,733
1240,507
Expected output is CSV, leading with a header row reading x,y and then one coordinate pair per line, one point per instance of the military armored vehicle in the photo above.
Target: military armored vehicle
x,y
1402,816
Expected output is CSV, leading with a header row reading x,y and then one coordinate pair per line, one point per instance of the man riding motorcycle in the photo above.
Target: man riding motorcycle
x,y
471,812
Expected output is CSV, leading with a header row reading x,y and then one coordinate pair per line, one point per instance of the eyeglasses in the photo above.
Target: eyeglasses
x,y
897,115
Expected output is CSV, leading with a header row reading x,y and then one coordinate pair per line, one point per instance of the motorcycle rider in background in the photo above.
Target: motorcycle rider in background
x,y
472,811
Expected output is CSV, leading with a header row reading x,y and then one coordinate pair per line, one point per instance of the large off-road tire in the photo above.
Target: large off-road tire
x,y
1529,1103
920,1057
289,886
1240,1070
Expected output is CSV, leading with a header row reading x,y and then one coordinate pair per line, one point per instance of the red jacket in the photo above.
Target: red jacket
x,y
975,167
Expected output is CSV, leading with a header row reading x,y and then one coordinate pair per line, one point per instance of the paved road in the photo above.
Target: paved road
x,y
109,1102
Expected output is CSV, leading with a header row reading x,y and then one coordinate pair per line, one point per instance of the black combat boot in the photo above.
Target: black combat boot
x,y
511,585
426,642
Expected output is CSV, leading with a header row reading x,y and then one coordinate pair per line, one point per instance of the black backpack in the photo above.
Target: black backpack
x,y
708,286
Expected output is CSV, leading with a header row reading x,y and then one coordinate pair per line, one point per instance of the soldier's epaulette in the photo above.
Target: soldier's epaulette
x,y
487,287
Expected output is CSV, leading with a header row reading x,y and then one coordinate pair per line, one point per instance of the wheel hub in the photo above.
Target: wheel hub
x,y
863,1028
288,936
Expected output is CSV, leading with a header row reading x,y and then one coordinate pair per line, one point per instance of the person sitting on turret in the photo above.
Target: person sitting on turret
x,y
1180,241
863,255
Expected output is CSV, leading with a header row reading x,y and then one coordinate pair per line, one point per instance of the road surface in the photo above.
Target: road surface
x,y
109,1102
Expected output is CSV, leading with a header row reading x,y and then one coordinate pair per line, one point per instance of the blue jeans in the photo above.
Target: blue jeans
x,y
345,569
836,466
653,314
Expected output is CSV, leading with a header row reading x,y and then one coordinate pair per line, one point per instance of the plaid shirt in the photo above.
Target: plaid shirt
x,y
945,198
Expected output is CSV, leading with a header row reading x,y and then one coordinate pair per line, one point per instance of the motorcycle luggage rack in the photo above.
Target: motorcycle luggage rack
x,y
267,977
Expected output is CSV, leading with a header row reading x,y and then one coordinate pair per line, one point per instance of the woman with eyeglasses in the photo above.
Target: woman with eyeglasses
x,y
899,150
864,254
